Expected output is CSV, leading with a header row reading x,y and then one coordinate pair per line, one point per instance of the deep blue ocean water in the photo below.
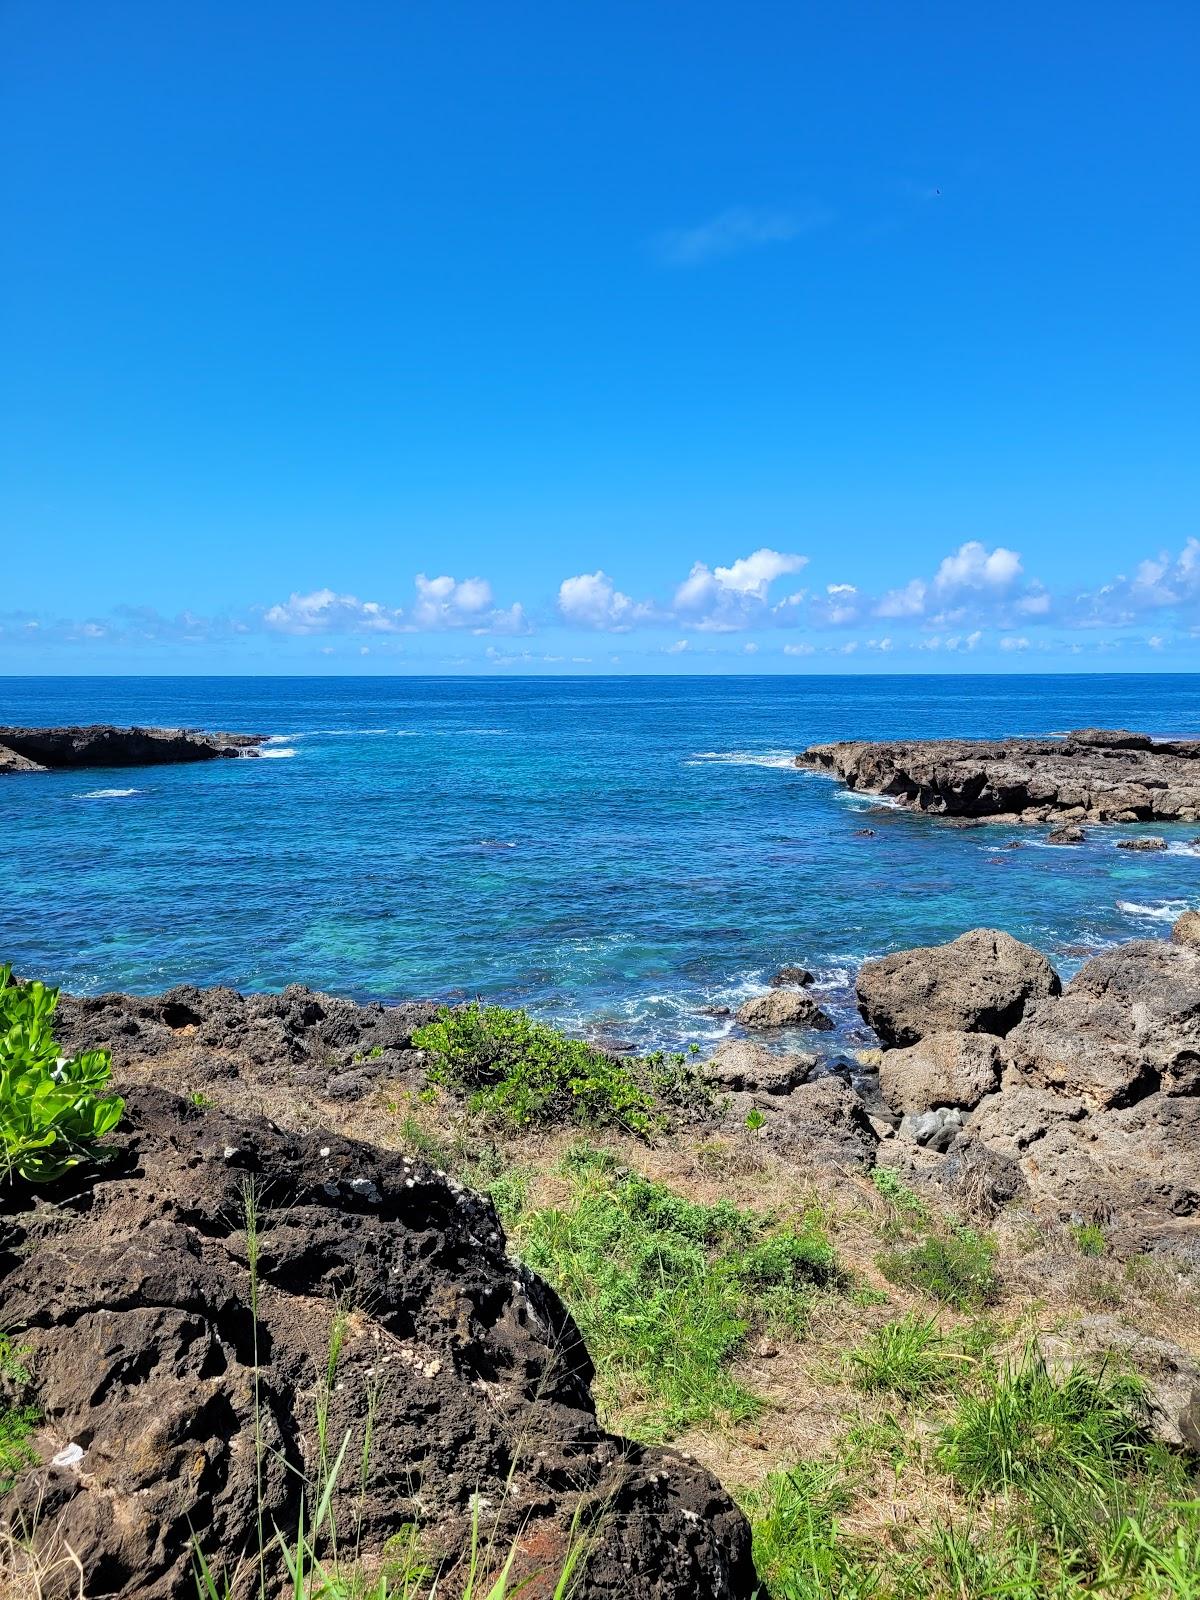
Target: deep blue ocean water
x,y
615,854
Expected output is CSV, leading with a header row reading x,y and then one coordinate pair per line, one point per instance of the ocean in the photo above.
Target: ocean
x,y
622,856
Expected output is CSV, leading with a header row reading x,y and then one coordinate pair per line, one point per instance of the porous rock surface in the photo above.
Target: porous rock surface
x,y
102,745
979,983
131,1287
783,1008
1094,1093
943,1069
1093,774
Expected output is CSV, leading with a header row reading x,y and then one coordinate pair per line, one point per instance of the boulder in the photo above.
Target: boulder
x,y
937,1129
788,977
823,1122
1186,929
979,983
943,1069
1071,834
1127,1024
740,1064
1147,841
783,1008
170,1377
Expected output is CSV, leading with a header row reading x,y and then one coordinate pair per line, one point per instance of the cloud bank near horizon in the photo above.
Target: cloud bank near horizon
x,y
764,604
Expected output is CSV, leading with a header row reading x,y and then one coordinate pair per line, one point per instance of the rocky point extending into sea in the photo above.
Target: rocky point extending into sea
x,y
1089,775
103,745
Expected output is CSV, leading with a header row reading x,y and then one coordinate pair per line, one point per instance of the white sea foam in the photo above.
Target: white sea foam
x,y
107,794
283,738
276,755
783,760
1164,911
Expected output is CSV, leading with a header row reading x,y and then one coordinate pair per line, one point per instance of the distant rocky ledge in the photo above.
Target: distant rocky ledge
x,y
102,745
1089,775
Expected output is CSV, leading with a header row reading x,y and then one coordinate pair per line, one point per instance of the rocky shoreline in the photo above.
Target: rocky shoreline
x,y
1090,775
995,1087
104,745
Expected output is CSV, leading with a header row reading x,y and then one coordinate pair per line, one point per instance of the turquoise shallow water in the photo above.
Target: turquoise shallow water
x,y
616,854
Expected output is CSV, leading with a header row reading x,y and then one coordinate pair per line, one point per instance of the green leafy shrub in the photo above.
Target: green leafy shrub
x,y
51,1109
958,1271
528,1073
665,1290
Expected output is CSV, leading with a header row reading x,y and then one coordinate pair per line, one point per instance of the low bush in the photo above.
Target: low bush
x,y
666,1290
51,1109
958,1270
528,1073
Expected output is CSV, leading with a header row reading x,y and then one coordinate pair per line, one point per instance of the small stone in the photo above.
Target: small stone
x,y
1149,841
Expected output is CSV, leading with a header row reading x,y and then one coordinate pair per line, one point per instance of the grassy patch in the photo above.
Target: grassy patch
x,y
666,1290
1089,1239
799,1549
911,1358
906,1211
957,1270
1029,1428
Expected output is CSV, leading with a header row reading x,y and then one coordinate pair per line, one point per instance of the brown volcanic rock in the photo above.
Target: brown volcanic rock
x,y
978,983
102,745
1093,774
943,1069
132,1289
783,1008
1127,1025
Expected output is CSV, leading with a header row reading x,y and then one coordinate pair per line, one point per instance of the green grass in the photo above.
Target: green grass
x,y
911,1358
957,1270
906,1210
1029,1428
799,1549
1089,1239
666,1291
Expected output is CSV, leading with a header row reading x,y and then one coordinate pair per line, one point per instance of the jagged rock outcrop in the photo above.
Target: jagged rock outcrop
x,y
1093,774
158,1359
1094,1093
102,745
298,1039
979,983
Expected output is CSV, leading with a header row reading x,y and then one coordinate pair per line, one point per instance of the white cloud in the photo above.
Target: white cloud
x,y
799,649
906,602
879,644
732,231
723,599
678,647
593,601
440,603
973,566
1014,642
750,648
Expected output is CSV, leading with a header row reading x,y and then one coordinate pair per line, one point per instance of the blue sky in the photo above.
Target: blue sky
x,y
712,337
